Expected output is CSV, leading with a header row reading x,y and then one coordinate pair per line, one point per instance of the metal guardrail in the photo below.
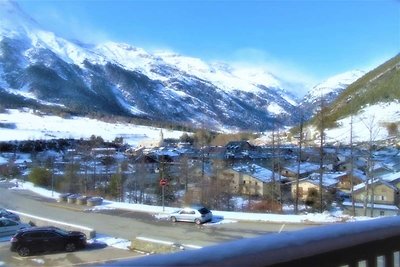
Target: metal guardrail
x,y
364,243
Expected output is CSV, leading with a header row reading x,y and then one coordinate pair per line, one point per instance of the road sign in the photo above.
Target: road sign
x,y
163,182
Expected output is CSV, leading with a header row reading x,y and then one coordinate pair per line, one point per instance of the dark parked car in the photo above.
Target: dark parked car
x,y
43,239
9,215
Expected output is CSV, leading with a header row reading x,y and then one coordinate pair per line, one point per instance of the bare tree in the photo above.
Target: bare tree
x,y
321,126
184,171
373,131
296,206
353,209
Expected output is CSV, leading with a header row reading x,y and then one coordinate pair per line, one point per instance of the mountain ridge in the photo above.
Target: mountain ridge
x,y
42,70
120,79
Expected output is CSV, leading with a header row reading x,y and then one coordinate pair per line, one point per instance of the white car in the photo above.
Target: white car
x,y
197,215
9,227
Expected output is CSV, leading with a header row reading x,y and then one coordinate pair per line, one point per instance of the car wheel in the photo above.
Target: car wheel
x,y
197,221
24,251
173,219
70,247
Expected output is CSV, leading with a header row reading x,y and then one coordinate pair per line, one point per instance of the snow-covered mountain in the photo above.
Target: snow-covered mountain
x,y
44,71
328,91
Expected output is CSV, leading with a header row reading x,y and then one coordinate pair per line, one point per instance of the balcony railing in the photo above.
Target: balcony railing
x,y
364,243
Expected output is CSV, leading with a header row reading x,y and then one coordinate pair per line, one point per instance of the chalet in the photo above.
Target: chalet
x,y
250,180
238,149
214,152
329,182
385,199
306,168
393,178
344,183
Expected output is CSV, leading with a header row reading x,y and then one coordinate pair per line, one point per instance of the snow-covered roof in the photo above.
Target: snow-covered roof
x,y
262,174
166,152
328,179
389,177
359,174
375,181
304,167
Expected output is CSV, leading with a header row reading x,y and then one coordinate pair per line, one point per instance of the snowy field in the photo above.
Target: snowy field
x,y
25,125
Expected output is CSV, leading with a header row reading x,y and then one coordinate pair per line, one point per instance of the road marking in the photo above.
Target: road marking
x,y
280,230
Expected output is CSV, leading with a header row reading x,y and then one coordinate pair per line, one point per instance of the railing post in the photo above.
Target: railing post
x,y
353,263
371,261
389,259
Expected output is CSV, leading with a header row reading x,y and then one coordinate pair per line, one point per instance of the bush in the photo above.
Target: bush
x,y
40,176
269,205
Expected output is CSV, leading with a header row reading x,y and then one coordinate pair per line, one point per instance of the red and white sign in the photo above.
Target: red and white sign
x,y
163,182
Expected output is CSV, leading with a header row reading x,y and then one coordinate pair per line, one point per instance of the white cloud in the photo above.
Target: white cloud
x,y
72,25
292,76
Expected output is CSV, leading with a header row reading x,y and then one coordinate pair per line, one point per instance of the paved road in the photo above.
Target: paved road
x,y
129,225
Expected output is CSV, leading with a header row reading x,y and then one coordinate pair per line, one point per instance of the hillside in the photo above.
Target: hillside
x,y
329,90
381,85
371,104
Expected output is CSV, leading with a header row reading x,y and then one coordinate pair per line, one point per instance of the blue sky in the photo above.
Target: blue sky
x,y
312,40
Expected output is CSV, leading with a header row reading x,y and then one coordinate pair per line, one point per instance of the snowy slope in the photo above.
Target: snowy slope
x,y
334,85
120,79
369,124
328,91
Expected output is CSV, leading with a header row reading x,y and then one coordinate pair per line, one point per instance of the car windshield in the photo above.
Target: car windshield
x,y
61,231
4,212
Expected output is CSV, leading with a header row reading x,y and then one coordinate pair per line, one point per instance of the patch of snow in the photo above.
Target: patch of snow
x,y
38,261
276,109
111,241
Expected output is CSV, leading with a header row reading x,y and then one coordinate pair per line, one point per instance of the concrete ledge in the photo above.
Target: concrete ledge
x,y
39,221
155,246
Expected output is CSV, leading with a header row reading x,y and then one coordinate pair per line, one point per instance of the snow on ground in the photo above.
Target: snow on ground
x,y
162,212
26,125
219,217
371,122
111,241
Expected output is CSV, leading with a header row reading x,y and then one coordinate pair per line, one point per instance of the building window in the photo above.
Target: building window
x,y
381,213
382,198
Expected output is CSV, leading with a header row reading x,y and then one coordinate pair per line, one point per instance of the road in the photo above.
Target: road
x,y
129,225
